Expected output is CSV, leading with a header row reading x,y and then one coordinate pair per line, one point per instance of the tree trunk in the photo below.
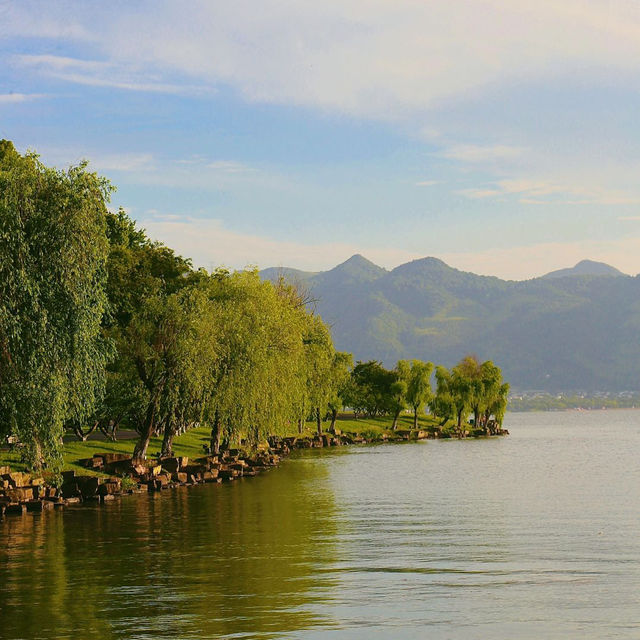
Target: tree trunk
x,y
460,423
216,434
334,416
415,417
167,440
140,451
318,421
80,434
300,425
396,415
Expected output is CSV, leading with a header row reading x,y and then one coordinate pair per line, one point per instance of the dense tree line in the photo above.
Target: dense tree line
x,y
103,328
469,388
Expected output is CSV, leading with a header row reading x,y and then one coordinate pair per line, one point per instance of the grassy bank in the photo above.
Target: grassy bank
x,y
191,443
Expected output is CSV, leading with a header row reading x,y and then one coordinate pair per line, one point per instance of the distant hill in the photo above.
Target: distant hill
x,y
571,329
586,268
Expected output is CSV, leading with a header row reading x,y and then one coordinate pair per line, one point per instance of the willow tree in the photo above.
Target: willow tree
x,y
53,250
146,315
257,377
397,400
416,375
318,352
453,397
442,405
340,379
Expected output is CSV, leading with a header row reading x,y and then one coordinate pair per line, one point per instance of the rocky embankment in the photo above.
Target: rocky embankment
x,y
121,475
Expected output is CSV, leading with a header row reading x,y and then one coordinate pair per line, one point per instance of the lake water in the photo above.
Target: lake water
x,y
536,535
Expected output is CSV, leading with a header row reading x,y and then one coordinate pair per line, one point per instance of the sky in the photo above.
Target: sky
x,y
501,136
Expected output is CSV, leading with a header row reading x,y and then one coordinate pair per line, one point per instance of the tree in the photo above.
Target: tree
x,y
417,377
470,386
340,378
319,354
260,379
371,392
397,400
53,251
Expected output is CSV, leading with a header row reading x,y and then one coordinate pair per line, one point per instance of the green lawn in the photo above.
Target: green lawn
x,y
191,443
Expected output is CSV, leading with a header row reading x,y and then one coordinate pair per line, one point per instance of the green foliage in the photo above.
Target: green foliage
x,y
416,376
99,325
371,390
471,387
53,251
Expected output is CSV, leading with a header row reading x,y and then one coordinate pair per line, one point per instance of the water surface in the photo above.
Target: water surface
x,y
532,536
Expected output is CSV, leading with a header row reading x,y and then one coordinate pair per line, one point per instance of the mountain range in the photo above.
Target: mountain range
x,y
572,329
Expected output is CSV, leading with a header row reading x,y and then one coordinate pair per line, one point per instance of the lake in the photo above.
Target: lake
x,y
536,535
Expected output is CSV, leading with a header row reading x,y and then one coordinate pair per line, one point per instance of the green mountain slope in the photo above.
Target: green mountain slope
x,y
553,333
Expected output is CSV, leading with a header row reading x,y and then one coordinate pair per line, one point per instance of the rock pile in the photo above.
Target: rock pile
x,y
22,492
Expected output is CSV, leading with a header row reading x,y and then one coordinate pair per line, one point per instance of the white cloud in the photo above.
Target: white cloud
x,y
479,194
15,98
542,192
365,57
228,166
97,73
427,183
211,244
482,154
529,261
123,162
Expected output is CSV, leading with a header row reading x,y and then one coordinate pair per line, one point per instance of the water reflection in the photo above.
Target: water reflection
x,y
237,560
532,536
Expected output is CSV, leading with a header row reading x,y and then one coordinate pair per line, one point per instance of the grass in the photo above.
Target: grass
x,y
191,443
188,444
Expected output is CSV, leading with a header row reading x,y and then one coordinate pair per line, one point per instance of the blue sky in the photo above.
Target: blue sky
x,y
502,137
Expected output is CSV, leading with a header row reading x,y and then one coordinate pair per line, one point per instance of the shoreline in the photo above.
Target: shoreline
x,y
23,492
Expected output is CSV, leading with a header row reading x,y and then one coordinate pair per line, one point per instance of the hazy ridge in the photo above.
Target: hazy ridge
x,y
571,329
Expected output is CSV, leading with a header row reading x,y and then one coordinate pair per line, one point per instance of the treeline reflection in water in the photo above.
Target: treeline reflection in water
x,y
535,535
201,562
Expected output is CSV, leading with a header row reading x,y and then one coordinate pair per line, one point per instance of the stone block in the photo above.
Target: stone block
x,y
109,488
15,509
170,464
20,494
39,505
70,490
17,479
111,458
88,485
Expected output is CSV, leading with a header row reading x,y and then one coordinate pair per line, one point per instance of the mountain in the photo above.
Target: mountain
x,y
549,333
586,268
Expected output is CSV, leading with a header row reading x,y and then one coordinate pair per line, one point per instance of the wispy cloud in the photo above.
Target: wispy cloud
x,y
98,73
427,183
530,261
210,243
481,153
541,192
124,162
377,59
229,166
16,98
